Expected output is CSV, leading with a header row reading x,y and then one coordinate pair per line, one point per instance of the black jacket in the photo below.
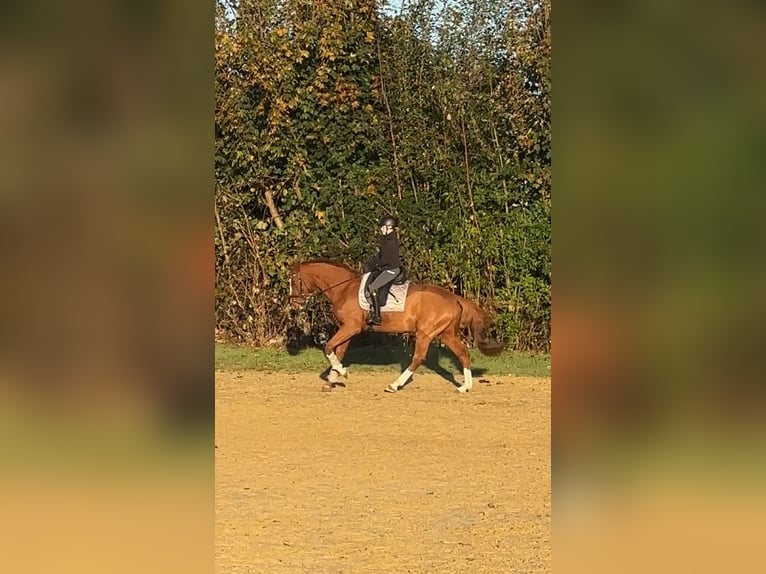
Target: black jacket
x,y
388,254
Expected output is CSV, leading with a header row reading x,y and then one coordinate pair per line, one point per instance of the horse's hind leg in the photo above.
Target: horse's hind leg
x,y
461,352
422,341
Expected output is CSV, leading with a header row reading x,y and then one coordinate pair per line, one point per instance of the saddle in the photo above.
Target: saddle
x,y
397,290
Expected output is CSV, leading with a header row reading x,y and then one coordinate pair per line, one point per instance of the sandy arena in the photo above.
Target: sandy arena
x,y
359,481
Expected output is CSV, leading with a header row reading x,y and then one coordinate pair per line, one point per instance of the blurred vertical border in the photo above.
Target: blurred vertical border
x,y
106,362
659,315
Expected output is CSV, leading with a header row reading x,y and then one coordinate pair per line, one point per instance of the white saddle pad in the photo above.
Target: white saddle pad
x,y
397,296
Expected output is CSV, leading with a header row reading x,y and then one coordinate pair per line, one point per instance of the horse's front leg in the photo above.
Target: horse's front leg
x,y
340,352
335,350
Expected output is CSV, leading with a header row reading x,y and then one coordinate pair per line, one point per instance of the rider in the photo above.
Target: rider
x,y
386,263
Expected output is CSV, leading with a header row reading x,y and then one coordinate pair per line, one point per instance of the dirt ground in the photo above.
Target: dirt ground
x,y
361,481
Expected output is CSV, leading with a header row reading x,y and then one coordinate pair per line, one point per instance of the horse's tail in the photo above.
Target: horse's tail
x,y
475,320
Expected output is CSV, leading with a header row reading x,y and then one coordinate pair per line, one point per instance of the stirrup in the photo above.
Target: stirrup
x,y
374,319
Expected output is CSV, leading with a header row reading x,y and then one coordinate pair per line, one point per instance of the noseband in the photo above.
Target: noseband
x,y
300,296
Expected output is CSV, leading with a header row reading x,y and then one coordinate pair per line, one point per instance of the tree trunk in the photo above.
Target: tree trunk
x,y
273,209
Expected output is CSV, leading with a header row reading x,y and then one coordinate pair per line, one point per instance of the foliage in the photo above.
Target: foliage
x,y
329,114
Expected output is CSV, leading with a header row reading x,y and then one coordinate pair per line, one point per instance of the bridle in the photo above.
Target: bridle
x,y
300,296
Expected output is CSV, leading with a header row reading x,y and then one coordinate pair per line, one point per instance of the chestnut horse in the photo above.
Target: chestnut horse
x,y
429,312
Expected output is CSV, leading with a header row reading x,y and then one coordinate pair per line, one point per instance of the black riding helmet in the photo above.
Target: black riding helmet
x,y
388,220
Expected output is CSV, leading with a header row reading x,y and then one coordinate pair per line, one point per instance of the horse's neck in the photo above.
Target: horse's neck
x,y
323,281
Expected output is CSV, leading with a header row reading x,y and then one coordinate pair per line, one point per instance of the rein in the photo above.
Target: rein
x,y
332,286
307,295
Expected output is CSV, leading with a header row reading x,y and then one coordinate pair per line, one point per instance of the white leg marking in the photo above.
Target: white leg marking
x,y
332,377
467,381
337,365
403,378
393,387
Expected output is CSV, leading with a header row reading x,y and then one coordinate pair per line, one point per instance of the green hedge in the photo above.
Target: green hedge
x,y
331,114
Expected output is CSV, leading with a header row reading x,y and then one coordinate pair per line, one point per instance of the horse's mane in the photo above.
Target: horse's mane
x,y
332,263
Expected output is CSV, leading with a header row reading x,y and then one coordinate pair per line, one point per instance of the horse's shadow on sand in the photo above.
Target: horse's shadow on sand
x,y
402,355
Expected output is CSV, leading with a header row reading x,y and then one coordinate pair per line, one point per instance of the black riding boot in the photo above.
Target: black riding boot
x,y
374,318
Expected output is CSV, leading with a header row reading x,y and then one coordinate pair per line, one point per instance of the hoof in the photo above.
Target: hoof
x,y
390,389
463,390
327,387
